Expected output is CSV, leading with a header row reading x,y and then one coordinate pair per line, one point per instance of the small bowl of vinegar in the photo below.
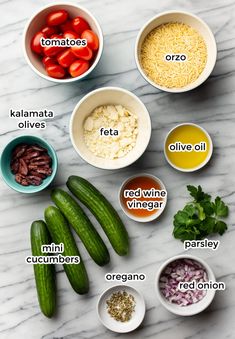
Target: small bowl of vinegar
x,y
143,197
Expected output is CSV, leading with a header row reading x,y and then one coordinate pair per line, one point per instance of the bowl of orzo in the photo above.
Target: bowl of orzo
x,y
175,51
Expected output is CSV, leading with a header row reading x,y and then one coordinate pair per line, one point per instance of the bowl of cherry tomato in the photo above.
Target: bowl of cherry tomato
x,y
70,23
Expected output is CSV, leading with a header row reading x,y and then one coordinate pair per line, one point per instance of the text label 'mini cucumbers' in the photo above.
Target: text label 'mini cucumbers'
x,y
44,274
103,211
82,225
61,233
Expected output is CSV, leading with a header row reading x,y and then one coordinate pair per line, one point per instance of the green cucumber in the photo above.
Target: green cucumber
x,y
103,211
82,225
44,273
61,233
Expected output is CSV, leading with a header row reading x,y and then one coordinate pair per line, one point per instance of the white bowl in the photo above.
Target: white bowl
x,y
36,23
191,20
190,309
150,217
113,96
209,155
118,326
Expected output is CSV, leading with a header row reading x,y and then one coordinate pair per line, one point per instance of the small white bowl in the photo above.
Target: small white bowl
x,y
190,309
191,20
118,326
110,96
152,216
36,23
203,163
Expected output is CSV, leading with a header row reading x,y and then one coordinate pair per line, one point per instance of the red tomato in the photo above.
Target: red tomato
x,y
78,67
67,26
55,71
56,36
56,18
66,58
47,61
91,38
82,52
48,31
71,35
53,50
80,25
35,43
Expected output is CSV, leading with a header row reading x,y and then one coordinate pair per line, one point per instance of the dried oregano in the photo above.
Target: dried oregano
x,y
121,306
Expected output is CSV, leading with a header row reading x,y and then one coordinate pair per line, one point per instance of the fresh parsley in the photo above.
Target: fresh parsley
x,y
200,217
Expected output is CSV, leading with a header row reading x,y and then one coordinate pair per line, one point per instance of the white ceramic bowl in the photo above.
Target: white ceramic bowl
x,y
107,96
125,210
36,23
191,20
118,326
209,155
191,309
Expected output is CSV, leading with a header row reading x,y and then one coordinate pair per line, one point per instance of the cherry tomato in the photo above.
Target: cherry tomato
x,y
67,26
55,71
48,31
78,67
80,25
56,36
47,61
35,43
82,52
53,50
91,38
66,58
71,35
56,18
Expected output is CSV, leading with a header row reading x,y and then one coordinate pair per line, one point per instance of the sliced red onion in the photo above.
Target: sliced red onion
x,y
182,270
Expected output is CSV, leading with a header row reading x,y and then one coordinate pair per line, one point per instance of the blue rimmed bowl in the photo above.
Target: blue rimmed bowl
x,y
5,161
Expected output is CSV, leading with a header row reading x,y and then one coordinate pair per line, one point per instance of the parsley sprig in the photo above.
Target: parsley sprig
x,y
200,217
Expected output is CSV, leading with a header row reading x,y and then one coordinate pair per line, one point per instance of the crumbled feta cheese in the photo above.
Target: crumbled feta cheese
x,y
110,118
89,123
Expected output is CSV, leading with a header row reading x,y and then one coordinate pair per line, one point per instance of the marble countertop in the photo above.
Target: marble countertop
x,y
212,106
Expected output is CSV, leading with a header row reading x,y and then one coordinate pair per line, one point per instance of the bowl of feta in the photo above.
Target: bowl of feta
x,y
110,128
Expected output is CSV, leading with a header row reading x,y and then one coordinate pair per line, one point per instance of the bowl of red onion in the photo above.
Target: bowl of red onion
x,y
183,285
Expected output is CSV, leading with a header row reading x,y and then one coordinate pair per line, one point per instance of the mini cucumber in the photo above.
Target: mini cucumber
x,y
61,233
103,211
44,273
82,225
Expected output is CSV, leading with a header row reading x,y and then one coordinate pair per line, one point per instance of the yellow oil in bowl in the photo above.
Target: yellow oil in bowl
x,y
188,147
